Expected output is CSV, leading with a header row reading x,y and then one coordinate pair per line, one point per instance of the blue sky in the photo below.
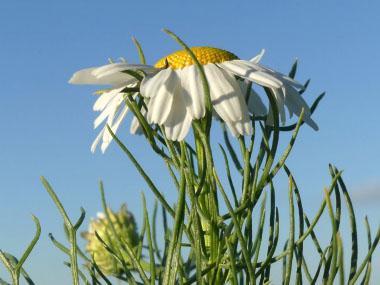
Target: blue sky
x,y
47,124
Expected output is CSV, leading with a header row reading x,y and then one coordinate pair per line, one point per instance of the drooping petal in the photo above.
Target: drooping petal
x,y
239,128
111,107
311,123
255,104
96,141
193,91
178,122
107,137
113,68
106,97
284,78
225,92
280,101
136,128
294,102
87,76
120,118
247,70
160,89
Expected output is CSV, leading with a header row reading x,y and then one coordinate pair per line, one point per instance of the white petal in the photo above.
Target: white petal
x,y
283,77
96,141
84,76
255,104
118,67
107,137
294,102
279,97
178,123
119,119
160,88
107,111
87,76
310,122
105,134
225,93
106,97
257,58
239,128
249,71
193,91
136,128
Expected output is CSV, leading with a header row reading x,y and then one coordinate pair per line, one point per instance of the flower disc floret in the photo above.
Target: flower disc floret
x,y
205,55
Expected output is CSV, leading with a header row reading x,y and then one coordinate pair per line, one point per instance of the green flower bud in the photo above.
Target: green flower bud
x,y
126,230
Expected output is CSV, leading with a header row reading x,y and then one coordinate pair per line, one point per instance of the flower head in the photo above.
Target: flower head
x,y
175,96
125,227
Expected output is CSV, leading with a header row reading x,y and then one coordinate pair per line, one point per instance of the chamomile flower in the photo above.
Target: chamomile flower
x,y
175,95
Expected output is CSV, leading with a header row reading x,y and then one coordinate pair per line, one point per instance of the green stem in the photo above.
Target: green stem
x,y
71,230
178,218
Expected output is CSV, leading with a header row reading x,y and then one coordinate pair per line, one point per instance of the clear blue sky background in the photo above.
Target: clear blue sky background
x,y
47,123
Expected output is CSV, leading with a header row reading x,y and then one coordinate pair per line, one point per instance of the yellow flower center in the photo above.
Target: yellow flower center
x,y
205,55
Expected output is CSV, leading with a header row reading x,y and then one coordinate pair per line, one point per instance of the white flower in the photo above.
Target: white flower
x,y
111,100
175,94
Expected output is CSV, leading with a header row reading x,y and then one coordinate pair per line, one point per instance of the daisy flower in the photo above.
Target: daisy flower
x,y
175,95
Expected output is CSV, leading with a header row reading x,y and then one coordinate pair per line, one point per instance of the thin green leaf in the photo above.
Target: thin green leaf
x,y
292,72
291,233
140,51
235,220
366,259
150,244
143,174
333,266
